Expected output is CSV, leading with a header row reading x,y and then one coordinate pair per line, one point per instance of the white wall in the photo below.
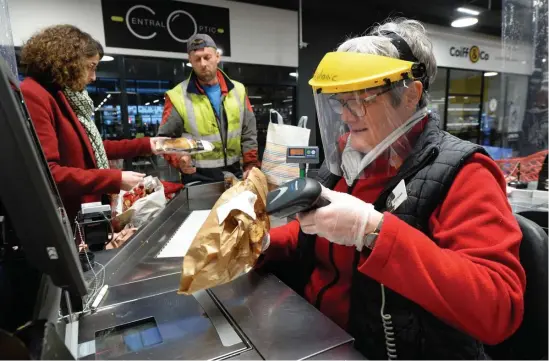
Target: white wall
x,y
259,35
519,61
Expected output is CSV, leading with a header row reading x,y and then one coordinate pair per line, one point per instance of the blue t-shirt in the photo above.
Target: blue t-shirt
x,y
214,94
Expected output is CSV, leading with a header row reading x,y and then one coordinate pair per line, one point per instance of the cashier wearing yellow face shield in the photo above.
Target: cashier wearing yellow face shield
x,y
366,105
417,253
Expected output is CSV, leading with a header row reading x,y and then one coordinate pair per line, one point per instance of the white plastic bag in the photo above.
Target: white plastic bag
x,y
280,136
144,208
148,207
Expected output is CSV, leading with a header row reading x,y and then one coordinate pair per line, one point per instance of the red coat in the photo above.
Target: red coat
x,y
68,149
470,277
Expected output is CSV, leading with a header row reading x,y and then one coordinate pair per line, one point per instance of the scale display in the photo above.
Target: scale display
x,y
302,155
297,152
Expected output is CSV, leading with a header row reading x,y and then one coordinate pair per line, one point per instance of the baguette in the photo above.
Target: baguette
x,y
180,144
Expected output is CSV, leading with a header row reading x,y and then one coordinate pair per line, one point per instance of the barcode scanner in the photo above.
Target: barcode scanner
x,y
298,195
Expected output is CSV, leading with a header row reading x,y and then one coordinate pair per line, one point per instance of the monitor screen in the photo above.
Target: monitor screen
x,y
29,195
43,165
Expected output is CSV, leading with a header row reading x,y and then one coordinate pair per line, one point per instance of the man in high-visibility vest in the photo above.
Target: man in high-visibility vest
x,y
210,106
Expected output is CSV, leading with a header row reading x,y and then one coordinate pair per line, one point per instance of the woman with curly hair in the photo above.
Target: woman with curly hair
x,y
60,61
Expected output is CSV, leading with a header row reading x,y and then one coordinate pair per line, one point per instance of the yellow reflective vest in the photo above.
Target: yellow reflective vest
x,y
200,121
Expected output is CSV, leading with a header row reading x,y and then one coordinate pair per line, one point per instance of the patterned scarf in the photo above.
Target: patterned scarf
x,y
82,105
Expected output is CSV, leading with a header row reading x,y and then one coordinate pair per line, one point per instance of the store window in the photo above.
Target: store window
x,y
147,80
129,91
491,120
265,98
268,87
487,108
437,93
106,95
463,106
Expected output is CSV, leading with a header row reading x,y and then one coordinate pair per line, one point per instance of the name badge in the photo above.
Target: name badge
x,y
397,196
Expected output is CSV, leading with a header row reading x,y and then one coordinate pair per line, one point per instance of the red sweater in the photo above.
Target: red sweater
x,y
469,276
68,150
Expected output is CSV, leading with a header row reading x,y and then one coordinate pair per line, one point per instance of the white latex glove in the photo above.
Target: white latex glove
x,y
345,221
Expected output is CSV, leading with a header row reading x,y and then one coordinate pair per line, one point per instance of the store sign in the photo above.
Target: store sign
x,y
163,25
477,52
474,53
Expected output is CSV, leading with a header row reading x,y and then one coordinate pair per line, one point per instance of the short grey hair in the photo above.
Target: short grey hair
x,y
415,35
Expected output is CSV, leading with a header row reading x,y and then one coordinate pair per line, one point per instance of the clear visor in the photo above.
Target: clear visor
x,y
360,127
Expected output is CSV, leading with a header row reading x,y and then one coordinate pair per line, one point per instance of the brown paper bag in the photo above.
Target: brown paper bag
x,y
222,252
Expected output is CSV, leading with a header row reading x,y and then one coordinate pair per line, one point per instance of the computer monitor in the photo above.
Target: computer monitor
x,y
29,196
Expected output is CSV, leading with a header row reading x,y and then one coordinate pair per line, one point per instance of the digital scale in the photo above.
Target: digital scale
x,y
302,156
301,194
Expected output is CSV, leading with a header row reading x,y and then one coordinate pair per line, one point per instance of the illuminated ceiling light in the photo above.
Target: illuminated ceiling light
x,y
108,96
464,22
267,104
294,74
468,11
156,101
189,65
107,58
543,60
147,103
491,73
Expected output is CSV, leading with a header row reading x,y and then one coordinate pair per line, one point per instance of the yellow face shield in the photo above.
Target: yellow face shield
x,y
358,98
341,72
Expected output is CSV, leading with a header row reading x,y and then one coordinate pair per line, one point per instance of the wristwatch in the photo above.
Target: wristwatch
x,y
370,238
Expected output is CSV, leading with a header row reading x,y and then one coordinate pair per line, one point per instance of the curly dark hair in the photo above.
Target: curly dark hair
x,y
58,54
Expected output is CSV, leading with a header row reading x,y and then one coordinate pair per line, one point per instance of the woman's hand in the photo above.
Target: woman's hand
x,y
130,180
345,221
155,145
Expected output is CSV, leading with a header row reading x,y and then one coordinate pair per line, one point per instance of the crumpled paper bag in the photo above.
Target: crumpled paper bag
x,y
226,248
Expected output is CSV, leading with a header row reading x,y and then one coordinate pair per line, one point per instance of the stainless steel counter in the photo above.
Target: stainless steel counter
x,y
185,326
279,323
261,316
528,200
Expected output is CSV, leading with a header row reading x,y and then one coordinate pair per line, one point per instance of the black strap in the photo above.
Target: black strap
x,y
404,51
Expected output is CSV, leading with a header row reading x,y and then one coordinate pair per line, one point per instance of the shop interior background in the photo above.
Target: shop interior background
x,y
487,102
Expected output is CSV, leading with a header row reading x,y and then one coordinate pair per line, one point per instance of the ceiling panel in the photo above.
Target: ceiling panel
x,y
438,12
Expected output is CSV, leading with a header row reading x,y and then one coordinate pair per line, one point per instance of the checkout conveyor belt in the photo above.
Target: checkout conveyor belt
x,y
254,317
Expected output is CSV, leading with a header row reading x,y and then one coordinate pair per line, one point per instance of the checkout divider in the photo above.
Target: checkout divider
x,y
254,317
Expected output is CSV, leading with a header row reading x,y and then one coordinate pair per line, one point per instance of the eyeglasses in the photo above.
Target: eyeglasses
x,y
356,106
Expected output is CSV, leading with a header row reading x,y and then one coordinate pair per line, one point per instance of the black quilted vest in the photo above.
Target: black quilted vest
x,y
428,172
